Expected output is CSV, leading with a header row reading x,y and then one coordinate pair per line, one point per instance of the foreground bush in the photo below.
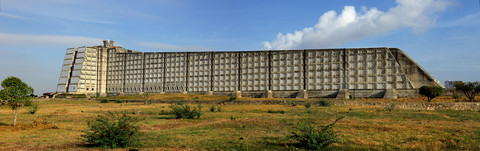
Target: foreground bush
x,y
310,137
113,131
431,92
186,111
325,103
470,89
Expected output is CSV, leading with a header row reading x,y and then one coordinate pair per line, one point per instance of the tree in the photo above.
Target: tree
x,y
16,93
470,89
431,91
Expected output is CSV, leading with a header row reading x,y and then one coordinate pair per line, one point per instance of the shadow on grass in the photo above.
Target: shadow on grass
x,y
5,124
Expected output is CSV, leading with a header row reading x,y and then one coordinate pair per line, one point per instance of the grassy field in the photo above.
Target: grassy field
x,y
59,125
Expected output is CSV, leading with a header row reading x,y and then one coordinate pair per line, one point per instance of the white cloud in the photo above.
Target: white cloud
x,y
53,40
333,30
163,46
11,15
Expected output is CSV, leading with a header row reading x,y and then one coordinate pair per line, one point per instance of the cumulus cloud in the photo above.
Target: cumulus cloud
x,y
53,40
333,30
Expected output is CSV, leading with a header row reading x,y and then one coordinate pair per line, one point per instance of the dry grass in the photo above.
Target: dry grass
x,y
60,125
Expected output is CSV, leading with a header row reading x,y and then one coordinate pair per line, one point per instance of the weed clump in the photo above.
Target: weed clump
x,y
276,111
293,103
113,131
219,108
32,108
308,104
103,100
186,111
119,101
233,98
212,108
325,103
310,137
390,107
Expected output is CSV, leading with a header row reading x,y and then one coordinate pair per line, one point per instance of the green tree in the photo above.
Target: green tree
x,y
16,93
470,89
431,91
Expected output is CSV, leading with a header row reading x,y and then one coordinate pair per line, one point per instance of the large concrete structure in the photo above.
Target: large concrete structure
x,y
353,72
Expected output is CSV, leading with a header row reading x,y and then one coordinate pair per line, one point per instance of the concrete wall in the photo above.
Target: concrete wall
x,y
366,72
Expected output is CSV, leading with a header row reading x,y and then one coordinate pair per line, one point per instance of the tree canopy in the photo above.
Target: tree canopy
x,y
470,89
16,93
431,92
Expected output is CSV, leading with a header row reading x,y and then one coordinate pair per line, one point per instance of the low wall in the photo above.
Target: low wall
x,y
469,106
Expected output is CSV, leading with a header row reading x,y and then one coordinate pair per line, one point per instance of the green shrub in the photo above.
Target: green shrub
x,y
390,107
186,111
119,101
232,98
310,137
308,104
180,103
469,89
103,101
325,103
113,131
32,109
276,111
456,97
148,102
431,92
219,108
28,103
293,103
212,108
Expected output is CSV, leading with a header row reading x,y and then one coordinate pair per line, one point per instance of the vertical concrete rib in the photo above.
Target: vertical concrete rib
x,y
304,70
212,66
143,77
124,71
71,70
269,70
187,62
164,69
344,68
239,54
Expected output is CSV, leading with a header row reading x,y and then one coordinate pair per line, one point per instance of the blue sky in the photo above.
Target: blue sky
x,y
441,35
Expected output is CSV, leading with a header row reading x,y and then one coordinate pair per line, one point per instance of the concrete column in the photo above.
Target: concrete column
x,y
302,94
267,94
238,94
103,73
343,94
390,94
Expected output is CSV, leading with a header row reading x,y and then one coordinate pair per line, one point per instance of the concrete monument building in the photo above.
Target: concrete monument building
x,y
343,73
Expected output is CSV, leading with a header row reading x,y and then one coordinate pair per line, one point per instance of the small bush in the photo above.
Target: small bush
x,y
456,97
275,111
103,101
293,103
233,98
308,104
32,109
431,92
186,111
309,136
113,131
212,108
219,108
28,103
148,102
119,101
390,107
325,103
